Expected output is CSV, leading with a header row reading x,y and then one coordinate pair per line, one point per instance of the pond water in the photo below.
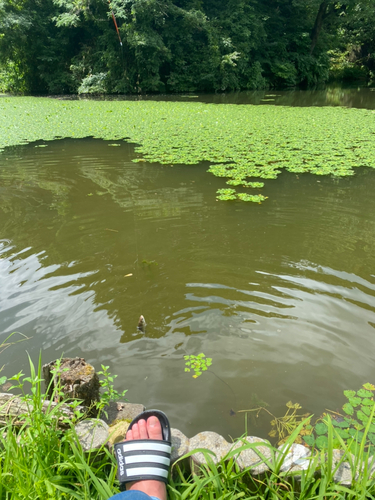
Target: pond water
x,y
351,97
280,295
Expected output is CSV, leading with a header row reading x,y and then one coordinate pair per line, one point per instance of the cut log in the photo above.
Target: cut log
x,y
13,409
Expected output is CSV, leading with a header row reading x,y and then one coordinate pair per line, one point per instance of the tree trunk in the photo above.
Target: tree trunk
x,y
322,14
77,380
13,409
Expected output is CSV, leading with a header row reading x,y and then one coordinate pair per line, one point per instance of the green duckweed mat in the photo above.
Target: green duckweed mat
x,y
243,143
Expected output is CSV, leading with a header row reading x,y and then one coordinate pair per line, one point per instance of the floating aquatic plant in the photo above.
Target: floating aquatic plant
x,y
226,194
198,364
257,198
241,142
230,194
350,425
355,425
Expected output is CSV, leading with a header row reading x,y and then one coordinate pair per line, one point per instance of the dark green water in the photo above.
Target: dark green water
x,y
352,97
280,295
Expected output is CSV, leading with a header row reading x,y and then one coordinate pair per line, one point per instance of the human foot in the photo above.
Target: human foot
x,y
147,429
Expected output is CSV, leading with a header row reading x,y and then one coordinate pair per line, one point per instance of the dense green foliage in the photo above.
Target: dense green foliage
x,y
240,142
60,46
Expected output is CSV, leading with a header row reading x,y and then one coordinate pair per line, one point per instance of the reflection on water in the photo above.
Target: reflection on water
x,y
281,296
332,95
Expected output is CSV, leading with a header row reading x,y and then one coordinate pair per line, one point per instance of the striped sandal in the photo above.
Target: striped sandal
x,y
142,459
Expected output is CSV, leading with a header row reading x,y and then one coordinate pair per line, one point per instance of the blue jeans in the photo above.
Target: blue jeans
x,y
132,495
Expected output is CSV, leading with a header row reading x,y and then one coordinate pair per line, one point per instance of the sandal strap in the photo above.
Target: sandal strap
x,y
143,459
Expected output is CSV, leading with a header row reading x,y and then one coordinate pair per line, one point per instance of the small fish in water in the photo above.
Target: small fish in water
x,y
232,412
142,324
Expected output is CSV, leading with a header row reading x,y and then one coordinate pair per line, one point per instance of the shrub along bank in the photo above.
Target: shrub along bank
x,y
60,46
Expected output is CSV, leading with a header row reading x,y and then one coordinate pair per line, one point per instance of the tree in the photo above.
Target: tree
x,y
33,50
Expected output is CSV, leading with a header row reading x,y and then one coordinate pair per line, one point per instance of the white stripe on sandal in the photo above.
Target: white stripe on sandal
x,y
145,446
146,471
142,459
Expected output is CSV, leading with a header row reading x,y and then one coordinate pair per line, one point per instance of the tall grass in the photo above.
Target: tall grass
x,y
225,480
38,460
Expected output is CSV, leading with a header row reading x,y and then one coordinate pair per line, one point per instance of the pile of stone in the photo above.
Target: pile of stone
x,y
94,434
78,380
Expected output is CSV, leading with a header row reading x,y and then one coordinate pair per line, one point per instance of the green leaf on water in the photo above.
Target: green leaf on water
x,y
309,440
321,428
359,436
355,401
364,394
342,423
321,442
348,409
362,417
349,394
343,433
367,405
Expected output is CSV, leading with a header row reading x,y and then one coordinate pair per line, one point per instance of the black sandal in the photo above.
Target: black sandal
x,y
143,459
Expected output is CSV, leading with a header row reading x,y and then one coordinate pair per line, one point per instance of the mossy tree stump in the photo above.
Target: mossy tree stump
x,y
76,380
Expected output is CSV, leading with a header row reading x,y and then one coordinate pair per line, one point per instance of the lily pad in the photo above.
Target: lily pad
x,y
244,143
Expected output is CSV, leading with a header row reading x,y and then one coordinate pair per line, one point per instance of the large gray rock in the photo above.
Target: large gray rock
x,y
209,441
297,458
255,457
180,445
119,410
92,433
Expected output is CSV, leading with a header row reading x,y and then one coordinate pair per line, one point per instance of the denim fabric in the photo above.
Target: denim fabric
x,y
132,495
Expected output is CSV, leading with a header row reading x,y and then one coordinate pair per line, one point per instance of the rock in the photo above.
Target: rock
x,y
252,457
210,441
180,445
296,459
343,474
117,432
118,410
78,380
92,433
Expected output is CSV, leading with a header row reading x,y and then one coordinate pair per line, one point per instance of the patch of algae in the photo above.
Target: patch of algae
x,y
241,142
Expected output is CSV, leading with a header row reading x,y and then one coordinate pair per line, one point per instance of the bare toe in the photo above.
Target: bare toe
x,y
135,430
142,429
154,428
